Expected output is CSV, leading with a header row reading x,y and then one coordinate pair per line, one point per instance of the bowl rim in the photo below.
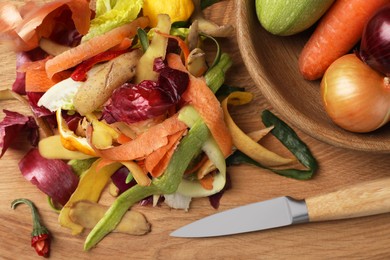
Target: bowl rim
x,y
289,112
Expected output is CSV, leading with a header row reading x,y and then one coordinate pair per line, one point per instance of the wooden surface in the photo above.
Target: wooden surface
x,y
360,238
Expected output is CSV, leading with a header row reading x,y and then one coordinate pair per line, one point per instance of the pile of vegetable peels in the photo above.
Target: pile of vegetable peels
x,y
120,102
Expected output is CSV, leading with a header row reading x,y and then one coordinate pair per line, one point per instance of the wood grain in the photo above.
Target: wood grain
x,y
360,238
364,199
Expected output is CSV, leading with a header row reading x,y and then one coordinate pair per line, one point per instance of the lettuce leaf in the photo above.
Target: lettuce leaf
x,y
111,14
60,95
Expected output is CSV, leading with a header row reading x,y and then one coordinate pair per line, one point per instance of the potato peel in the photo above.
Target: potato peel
x,y
87,213
243,142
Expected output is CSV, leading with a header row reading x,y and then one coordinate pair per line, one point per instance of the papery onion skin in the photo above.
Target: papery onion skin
x,y
53,177
375,44
355,96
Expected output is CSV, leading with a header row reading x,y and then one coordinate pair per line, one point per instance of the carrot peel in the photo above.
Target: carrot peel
x,y
201,97
144,144
94,46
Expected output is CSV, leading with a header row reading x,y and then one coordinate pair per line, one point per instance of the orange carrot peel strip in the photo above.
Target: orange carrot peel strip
x,y
183,46
37,80
158,161
199,95
144,144
94,46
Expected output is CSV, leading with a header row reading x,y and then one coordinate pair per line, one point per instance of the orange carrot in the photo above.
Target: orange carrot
x,y
158,161
336,34
203,99
146,143
37,80
94,46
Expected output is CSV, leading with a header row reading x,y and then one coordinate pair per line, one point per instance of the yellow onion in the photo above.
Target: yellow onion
x,y
355,96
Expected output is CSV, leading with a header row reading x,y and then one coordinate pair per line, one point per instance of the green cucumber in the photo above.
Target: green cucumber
x,y
290,17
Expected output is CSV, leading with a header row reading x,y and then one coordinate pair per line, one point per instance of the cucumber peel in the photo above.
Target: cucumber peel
x,y
189,188
189,147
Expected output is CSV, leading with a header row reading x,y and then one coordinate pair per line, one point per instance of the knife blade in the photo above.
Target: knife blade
x,y
364,199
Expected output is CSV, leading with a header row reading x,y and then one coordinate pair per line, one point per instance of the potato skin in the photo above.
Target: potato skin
x,y
103,80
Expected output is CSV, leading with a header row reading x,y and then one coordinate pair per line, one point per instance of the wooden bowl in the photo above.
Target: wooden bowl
x,y
272,62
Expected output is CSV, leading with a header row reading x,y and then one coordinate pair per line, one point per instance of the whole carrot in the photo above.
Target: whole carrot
x,y
335,35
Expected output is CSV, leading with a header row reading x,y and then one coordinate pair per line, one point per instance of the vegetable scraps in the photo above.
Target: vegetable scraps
x,y
133,104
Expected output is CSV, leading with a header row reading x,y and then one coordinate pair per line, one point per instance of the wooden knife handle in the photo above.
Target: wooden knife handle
x,y
364,199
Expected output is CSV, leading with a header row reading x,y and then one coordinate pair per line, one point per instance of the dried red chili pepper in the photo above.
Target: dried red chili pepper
x,y
40,236
80,73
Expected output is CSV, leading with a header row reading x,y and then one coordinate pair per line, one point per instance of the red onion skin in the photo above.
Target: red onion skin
x,y
53,177
375,43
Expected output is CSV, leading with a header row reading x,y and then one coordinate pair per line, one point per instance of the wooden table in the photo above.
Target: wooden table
x,y
361,238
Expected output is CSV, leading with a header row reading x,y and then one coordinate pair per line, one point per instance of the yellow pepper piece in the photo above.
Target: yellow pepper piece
x,y
51,148
103,135
70,140
178,10
90,187
156,49
103,125
243,142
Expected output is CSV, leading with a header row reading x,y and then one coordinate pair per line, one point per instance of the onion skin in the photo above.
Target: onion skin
x,y
375,44
355,96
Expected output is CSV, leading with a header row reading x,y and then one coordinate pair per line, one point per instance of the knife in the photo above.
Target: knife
x,y
364,199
